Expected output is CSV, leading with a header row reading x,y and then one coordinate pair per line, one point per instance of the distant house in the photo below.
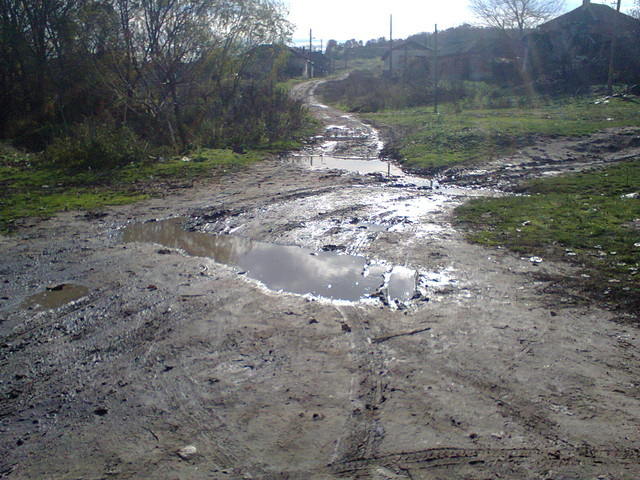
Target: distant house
x,y
576,47
300,65
463,53
480,59
278,62
405,56
322,65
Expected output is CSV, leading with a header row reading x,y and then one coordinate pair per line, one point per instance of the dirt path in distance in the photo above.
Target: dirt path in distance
x,y
488,372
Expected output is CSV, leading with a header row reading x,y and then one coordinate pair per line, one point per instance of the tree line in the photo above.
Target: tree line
x,y
167,71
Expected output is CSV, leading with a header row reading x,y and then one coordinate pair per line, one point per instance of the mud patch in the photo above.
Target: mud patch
x,y
55,296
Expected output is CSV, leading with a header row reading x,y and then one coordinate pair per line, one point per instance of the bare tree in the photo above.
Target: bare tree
x,y
515,14
178,56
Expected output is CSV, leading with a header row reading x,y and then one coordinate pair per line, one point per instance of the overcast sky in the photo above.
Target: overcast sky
x,y
366,19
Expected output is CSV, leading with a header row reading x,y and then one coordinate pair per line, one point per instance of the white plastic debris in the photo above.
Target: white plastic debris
x,y
187,452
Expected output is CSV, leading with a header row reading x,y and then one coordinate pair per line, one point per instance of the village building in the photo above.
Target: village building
x,y
322,65
282,62
580,47
406,56
463,53
486,58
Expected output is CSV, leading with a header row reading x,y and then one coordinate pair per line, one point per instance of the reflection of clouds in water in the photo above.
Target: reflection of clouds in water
x,y
401,283
221,248
362,166
278,267
295,270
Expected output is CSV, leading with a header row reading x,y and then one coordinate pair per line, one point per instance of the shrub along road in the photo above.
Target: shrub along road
x,y
176,366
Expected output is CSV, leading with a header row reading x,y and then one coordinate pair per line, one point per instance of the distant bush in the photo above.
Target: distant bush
x,y
366,92
95,145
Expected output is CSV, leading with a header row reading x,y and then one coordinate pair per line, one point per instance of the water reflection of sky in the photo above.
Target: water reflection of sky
x,y
324,274
287,268
356,165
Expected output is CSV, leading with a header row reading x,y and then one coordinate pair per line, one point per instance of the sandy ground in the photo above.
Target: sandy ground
x,y
174,366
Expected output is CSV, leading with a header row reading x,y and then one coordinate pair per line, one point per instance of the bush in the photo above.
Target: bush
x,y
262,116
95,145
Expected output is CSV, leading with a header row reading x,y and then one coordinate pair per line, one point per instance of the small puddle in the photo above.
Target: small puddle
x,y
402,283
55,297
359,165
282,268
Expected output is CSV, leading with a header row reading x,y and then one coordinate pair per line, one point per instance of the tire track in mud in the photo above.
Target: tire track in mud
x,y
447,457
364,430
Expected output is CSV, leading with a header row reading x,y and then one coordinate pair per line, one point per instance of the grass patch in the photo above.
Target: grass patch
x,y
33,187
588,218
429,142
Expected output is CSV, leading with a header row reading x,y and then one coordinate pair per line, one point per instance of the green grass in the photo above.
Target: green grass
x,y
583,218
32,188
373,64
430,141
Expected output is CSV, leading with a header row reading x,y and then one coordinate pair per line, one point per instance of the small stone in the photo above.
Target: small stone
x,y
187,452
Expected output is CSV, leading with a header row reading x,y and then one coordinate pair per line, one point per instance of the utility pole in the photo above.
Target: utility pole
x,y
612,50
435,70
391,46
310,40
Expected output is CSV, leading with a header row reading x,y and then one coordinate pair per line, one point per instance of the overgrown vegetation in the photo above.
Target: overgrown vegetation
x,y
591,219
98,83
103,95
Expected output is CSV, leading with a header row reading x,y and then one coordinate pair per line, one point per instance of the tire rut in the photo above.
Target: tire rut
x,y
446,457
364,430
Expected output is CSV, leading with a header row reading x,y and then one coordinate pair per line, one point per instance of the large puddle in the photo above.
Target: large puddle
x,y
290,269
354,148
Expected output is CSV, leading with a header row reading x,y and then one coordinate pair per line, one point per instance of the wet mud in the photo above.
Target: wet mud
x,y
181,361
53,297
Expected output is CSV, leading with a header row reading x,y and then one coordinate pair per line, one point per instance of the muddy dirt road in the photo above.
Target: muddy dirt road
x,y
177,362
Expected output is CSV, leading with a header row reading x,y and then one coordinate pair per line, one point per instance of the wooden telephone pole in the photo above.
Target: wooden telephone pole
x,y
612,51
391,46
435,70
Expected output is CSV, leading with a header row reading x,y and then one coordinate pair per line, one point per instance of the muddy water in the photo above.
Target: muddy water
x,y
350,164
55,297
290,269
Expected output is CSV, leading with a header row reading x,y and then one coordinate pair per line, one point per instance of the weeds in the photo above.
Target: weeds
x,y
34,187
95,145
429,142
